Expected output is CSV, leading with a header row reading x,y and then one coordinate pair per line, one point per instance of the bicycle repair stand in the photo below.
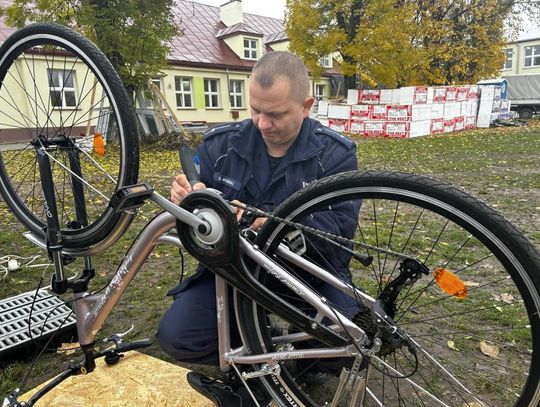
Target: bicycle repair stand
x,y
125,199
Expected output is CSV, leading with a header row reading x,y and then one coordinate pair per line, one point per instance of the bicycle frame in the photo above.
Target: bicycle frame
x,y
92,310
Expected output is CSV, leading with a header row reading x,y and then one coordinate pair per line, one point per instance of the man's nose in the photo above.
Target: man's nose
x,y
264,122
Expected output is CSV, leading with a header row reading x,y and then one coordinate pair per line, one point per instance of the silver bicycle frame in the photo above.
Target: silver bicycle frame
x,y
92,310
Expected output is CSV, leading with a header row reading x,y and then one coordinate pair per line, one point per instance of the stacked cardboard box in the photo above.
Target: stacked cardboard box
x,y
406,112
493,106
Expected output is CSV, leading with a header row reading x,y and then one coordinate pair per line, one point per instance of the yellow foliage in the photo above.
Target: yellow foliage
x,y
398,43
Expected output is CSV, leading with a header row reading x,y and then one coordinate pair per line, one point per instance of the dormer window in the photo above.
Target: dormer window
x,y
325,62
250,48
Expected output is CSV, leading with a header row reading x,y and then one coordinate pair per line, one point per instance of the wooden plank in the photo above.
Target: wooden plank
x,y
137,380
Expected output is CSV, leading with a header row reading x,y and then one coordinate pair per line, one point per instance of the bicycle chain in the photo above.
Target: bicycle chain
x,y
317,232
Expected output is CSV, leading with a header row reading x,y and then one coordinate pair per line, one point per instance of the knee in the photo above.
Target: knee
x,y
167,336
177,339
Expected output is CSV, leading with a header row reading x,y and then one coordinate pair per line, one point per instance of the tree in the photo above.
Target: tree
x,y
403,42
133,34
463,38
370,36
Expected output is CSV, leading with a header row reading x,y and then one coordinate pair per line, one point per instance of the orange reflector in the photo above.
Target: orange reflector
x,y
450,283
99,145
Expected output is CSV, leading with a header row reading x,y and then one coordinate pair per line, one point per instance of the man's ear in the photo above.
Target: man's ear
x,y
308,103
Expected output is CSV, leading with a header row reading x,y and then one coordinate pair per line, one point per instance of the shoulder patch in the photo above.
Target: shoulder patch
x,y
326,131
222,129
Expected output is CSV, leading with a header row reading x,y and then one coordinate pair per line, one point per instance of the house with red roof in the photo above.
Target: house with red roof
x,y
210,64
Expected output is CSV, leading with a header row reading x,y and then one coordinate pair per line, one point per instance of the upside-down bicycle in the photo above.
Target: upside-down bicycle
x,y
431,265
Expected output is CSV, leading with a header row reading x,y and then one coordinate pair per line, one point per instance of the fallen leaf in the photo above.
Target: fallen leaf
x,y
489,350
471,283
452,345
507,298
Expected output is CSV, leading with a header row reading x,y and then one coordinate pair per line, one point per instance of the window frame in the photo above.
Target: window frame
x,y
182,93
148,102
317,95
534,55
509,57
62,88
250,50
234,94
209,94
325,61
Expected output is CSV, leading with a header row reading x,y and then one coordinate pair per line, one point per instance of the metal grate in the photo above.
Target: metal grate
x,y
49,314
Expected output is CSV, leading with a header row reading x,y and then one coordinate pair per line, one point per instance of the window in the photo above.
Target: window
x,y
325,62
320,91
509,54
184,95
148,102
250,48
236,93
211,93
532,56
62,88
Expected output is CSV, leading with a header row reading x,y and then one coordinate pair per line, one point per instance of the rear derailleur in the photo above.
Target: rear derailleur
x,y
378,322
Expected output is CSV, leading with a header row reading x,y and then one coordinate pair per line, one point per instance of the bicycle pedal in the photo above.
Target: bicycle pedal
x,y
219,393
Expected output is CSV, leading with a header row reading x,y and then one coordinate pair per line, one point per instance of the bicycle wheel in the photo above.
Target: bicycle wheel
x,y
58,91
472,346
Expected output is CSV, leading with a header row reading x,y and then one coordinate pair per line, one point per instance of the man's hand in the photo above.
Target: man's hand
x,y
181,187
257,223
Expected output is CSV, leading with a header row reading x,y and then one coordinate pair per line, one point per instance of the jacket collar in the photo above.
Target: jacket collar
x,y
249,143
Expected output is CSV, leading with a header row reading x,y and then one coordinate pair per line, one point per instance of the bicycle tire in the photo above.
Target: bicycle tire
x,y
501,307
56,83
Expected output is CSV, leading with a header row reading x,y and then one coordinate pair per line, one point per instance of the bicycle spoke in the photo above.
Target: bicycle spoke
x,y
441,351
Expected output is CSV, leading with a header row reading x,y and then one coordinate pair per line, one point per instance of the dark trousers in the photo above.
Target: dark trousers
x,y
188,330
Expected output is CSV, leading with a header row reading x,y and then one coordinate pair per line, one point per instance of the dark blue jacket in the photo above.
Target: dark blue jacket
x,y
233,160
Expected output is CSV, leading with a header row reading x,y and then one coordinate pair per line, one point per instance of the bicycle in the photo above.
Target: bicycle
x,y
447,288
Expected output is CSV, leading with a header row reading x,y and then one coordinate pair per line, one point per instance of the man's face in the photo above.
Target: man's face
x,y
277,116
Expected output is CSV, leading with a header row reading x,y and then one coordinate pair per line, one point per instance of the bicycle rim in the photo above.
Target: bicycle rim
x,y
474,347
59,93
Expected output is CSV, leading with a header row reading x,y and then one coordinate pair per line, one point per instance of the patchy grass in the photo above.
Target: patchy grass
x,y
502,166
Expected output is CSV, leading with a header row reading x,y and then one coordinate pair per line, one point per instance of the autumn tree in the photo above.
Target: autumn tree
x,y
371,37
403,42
463,38
133,34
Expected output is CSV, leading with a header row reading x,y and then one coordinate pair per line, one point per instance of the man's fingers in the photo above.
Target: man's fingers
x,y
198,186
258,223
239,211
181,187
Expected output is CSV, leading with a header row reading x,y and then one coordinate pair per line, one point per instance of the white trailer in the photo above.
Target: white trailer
x,y
524,94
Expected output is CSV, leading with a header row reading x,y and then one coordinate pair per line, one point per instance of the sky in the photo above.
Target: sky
x,y
276,9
